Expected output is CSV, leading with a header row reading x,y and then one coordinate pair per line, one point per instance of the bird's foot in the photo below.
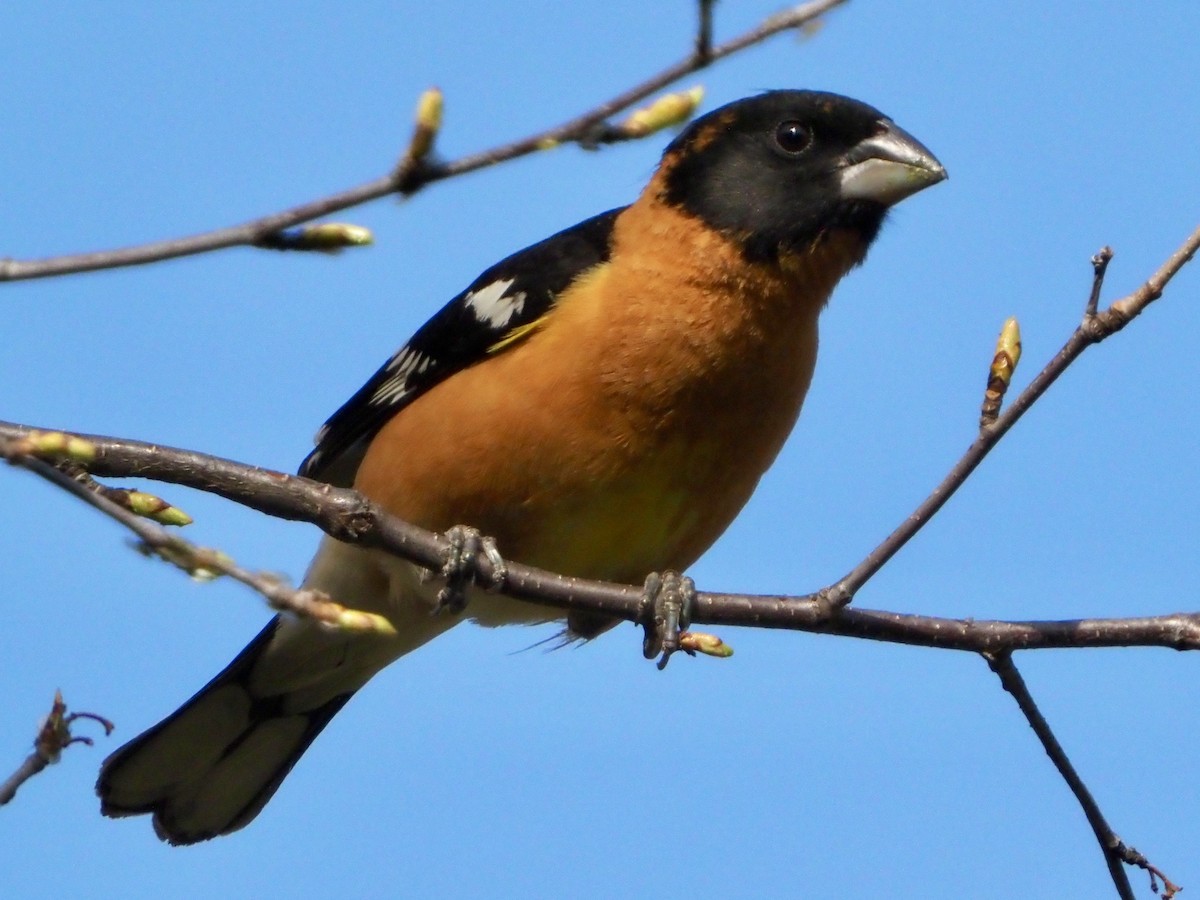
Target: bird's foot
x,y
459,570
667,600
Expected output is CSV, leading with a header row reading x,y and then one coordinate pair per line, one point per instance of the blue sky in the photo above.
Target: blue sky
x,y
805,766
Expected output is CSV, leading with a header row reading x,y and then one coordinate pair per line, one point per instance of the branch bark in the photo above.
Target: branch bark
x,y
54,735
579,129
1117,854
349,516
1095,327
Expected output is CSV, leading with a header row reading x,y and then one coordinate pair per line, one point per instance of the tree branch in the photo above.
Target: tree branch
x,y
348,516
1116,854
54,735
202,563
704,30
1095,327
408,180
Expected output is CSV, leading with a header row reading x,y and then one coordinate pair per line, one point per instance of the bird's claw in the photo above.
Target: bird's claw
x,y
667,600
459,568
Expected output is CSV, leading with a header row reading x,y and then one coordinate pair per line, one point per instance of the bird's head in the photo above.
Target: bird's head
x,y
780,171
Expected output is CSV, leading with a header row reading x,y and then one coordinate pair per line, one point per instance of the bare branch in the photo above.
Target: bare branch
x,y
1116,853
202,563
348,516
1123,311
408,180
54,735
704,32
1010,678
1094,329
137,502
1099,267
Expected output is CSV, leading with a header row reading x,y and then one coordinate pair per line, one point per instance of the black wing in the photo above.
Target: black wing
x,y
513,293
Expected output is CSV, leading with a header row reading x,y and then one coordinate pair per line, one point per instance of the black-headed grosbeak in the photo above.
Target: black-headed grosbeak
x,y
603,403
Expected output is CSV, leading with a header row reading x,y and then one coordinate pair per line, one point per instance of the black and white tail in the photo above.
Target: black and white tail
x,y
210,767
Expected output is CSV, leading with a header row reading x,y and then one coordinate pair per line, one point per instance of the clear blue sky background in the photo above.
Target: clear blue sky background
x,y
805,766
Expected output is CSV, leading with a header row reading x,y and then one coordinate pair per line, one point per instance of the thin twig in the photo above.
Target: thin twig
x,y
1099,267
54,735
1094,329
1116,853
582,126
257,230
349,516
1010,678
704,31
138,502
33,764
200,562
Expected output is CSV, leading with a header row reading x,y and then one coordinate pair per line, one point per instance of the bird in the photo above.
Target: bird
x,y
601,404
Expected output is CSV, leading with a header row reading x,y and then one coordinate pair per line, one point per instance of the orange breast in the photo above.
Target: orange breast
x,y
624,435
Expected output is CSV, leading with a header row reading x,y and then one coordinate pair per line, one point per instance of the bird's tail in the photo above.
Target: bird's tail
x,y
210,767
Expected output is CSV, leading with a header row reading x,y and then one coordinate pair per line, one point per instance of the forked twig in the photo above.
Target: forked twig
x,y
408,180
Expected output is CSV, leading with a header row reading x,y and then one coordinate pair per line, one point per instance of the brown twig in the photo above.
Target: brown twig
x,y
1010,678
201,563
1099,267
348,516
256,231
137,502
1116,853
54,735
1131,857
1096,326
704,31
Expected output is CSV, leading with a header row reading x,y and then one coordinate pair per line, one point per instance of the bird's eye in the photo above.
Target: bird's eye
x,y
793,137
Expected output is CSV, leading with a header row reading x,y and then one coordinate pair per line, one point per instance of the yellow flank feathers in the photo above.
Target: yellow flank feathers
x,y
518,333
521,332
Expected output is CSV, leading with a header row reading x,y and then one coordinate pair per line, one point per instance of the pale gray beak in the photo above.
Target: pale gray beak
x,y
889,166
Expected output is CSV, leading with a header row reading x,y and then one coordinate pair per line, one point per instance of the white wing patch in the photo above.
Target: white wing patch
x,y
493,305
402,366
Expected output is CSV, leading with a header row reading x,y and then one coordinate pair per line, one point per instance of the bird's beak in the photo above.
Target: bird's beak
x,y
888,166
